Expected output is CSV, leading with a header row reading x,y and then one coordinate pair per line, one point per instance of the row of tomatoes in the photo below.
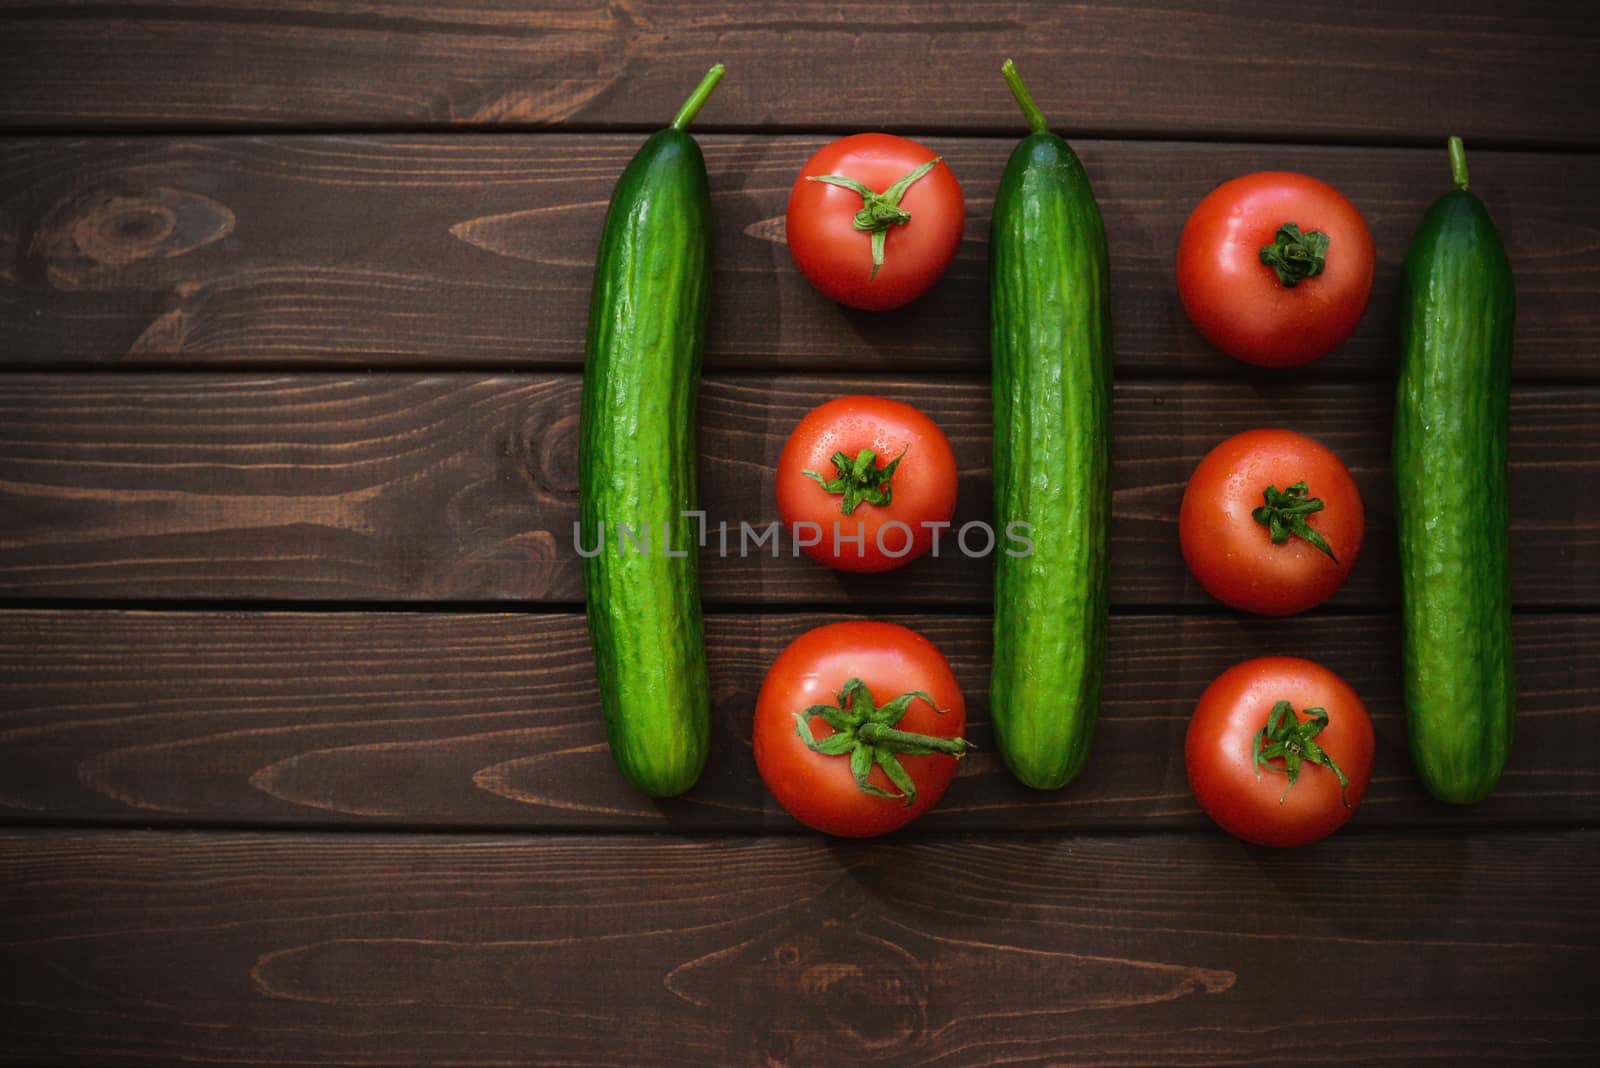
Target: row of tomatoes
x,y
859,725
875,220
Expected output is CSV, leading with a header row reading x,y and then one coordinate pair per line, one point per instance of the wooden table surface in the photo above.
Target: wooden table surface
x,y
301,759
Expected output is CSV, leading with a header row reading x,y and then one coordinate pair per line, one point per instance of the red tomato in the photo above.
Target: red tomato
x,y
919,239
1226,531
1258,804
820,789
870,516
1239,303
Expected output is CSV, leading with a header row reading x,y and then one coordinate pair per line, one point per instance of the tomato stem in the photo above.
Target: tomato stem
x,y
879,211
1030,110
1284,514
1295,256
1291,741
860,479
877,734
698,98
1458,162
866,733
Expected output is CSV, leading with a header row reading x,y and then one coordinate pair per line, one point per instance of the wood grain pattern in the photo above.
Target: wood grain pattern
x,y
477,251
463,487
1319,70
492,721
292,299
1160,950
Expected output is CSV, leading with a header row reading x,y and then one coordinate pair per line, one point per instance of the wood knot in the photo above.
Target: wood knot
x,y
121,229
823,973
557,469
92,241
539,446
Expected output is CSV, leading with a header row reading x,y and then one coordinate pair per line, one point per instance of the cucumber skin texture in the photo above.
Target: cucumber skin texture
x,y
1451,513
1050,337
636,464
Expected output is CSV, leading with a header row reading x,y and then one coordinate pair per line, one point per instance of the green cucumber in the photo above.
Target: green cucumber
x,y
1451,512
1050,335
636,460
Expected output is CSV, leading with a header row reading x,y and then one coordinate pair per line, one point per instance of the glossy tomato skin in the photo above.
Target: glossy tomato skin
x,y
1237,302
923,486
1232,555
837,258
1220,742
819,790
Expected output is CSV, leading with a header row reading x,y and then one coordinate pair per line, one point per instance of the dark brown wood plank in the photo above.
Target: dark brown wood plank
x,y
461,487
159,948
1319,70
477,251
492,721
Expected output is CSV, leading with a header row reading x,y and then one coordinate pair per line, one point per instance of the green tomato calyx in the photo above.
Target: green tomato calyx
x,y
1287,737
879,211
1295,256
866,733
860,479
1284,514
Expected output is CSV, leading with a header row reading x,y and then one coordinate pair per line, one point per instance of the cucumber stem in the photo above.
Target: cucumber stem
x,y
1458,162
1035,117
698,98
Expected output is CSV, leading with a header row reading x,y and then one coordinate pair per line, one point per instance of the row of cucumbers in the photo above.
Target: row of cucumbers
x,y
1052,377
